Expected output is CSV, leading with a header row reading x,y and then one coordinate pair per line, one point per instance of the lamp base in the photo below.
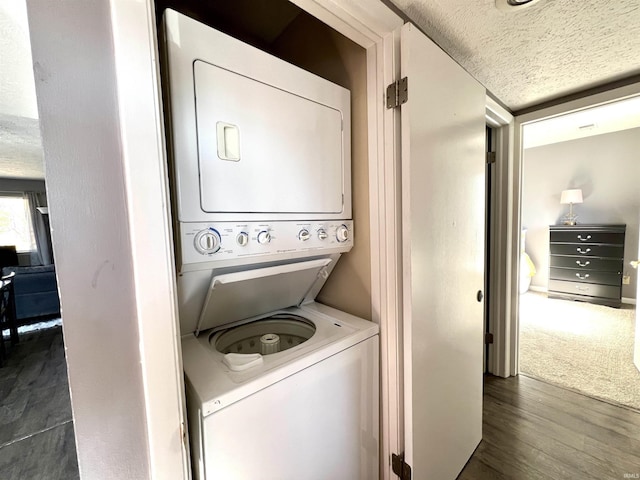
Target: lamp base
x,y
569,219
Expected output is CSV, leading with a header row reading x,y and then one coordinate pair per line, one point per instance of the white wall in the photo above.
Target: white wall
x,y
606,168
74,68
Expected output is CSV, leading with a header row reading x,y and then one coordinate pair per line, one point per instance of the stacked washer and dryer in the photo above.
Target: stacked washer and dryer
x,y
278,385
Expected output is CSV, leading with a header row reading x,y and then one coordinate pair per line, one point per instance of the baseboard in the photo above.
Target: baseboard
x,y
625,300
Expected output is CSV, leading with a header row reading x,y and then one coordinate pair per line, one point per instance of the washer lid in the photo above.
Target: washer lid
x,y
236,296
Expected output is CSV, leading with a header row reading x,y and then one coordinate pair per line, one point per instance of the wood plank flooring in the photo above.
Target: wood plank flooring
x,y
534,430
36,427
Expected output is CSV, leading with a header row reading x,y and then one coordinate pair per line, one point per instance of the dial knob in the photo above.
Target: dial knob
x,y
342,233
264,237
207,241
322,234
242,239
304,235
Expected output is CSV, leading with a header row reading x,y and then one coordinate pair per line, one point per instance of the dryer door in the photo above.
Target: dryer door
x,y
262,149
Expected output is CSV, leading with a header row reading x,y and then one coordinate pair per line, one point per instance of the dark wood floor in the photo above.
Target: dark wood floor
x,y
36,427
533,430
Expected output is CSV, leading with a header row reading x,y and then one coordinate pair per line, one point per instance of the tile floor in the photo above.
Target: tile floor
x,y
36,427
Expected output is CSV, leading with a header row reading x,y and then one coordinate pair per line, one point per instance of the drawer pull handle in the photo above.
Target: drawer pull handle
x,y
580,264
579,250
584,239
582,277
582,289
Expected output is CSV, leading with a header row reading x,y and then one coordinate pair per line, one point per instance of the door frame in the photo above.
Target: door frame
x,y
515,187
502,270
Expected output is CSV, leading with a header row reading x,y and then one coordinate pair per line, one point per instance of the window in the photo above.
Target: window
x,y
15,223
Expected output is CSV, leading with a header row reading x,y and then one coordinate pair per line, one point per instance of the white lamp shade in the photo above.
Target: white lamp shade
x,y
571,196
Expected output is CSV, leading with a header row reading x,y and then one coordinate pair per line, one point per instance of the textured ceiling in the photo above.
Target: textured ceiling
x,y
20,148
531,55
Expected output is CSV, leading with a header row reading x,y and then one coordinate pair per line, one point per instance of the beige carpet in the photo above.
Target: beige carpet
x,y
584,347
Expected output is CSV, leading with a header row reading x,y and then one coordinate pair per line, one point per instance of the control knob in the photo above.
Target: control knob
x,y
342,233
242,239
304,235
322,234
207,241
264,237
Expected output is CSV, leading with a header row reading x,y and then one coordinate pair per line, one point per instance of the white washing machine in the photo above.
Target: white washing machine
x,y
288,394
278,386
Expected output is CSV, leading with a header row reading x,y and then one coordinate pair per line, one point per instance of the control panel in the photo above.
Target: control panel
x,y
206,242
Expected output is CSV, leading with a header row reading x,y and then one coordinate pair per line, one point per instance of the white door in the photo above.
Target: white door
x,y
443,145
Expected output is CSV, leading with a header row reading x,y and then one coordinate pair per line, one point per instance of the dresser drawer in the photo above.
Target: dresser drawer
x,y
577,236
581,263
585,276
586,289
587,250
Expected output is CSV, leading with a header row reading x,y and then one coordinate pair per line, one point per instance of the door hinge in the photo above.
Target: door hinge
x,y
491,157
488,338
398,93
400,467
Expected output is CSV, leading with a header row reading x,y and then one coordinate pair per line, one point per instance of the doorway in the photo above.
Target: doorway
x,y
489,243
586,345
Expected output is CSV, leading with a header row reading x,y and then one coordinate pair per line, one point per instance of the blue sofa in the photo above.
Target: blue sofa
x,y
36,292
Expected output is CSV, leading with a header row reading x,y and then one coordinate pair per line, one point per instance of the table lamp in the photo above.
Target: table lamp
x,y
570,197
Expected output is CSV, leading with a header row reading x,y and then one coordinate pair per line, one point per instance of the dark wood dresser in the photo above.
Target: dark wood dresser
x,y
586,262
